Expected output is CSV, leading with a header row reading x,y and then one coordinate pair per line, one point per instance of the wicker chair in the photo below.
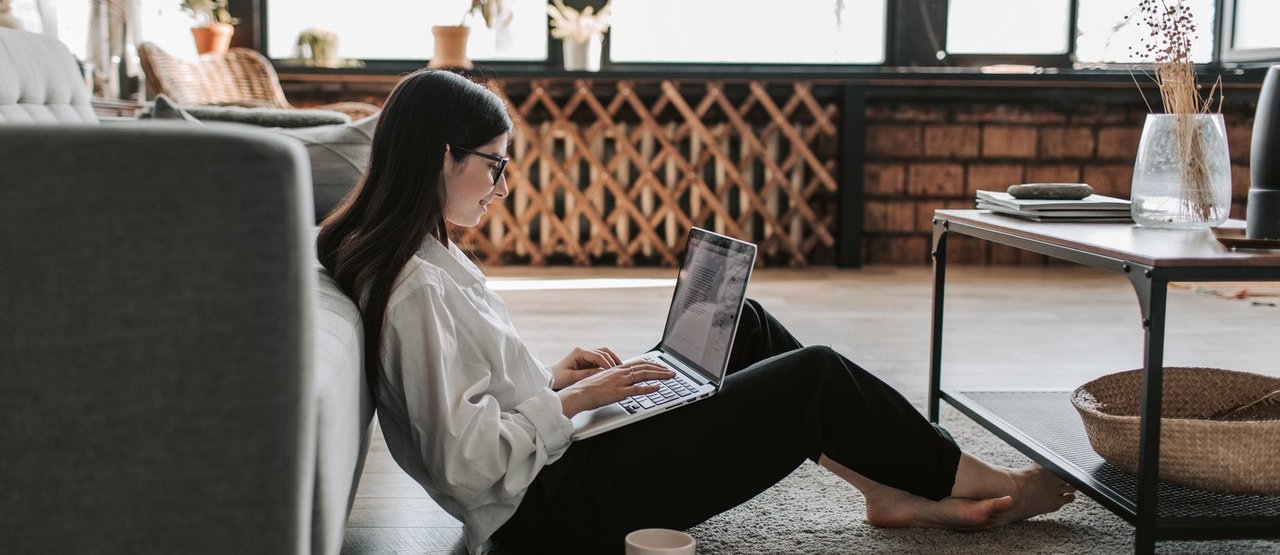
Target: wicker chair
x,y
239,77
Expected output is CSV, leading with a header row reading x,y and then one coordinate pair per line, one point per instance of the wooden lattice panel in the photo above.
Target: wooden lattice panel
x,y
616,172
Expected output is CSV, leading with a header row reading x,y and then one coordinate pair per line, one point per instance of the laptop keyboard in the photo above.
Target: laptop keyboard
x,y
669,390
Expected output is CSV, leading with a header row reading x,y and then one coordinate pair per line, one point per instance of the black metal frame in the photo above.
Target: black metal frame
x,y
1151,286
853,148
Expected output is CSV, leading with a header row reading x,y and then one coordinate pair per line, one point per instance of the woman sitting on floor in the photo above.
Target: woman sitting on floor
x,y
484,427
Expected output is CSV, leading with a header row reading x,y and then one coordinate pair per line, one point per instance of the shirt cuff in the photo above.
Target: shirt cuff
x,y
547,416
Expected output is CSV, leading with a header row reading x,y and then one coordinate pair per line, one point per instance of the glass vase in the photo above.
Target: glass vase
x,y
1182,175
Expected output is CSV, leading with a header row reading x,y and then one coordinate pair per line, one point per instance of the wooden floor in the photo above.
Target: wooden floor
x,y
1012,327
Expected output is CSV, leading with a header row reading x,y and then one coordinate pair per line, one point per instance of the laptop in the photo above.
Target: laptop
x,y
701,322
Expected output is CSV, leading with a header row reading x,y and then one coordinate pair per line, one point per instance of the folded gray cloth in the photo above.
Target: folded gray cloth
x,y
263,117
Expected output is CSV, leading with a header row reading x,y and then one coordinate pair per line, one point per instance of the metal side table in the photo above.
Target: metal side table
x,y
1044,425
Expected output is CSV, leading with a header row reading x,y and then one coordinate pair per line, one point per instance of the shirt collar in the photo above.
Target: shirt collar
x,y
452,260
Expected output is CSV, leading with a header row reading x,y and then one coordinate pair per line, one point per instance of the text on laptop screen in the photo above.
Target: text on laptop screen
x,y
708,294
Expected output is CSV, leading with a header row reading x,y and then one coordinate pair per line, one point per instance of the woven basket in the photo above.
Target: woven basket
x,y
1206,440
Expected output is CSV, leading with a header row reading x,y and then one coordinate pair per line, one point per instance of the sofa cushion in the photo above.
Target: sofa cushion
x,y
344,413
40,81
338,153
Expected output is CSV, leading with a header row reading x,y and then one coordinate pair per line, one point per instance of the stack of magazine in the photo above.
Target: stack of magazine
x,y
1093,208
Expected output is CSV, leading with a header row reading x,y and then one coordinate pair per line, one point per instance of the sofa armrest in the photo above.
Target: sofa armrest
x,y
157,354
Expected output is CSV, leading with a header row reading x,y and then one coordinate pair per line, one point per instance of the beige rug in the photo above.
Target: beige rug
x,y
812,511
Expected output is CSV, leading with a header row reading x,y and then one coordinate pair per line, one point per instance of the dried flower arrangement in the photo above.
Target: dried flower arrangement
x,y
571,25
1168,45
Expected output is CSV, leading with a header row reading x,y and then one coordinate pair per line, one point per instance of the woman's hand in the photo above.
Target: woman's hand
x,y
580,364
612,385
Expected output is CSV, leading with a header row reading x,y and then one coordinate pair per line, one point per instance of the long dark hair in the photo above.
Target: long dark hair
x,y
366,241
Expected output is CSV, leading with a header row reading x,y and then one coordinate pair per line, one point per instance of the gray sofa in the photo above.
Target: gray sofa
x,y
177,375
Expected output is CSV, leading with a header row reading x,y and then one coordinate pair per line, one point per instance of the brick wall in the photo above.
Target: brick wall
x,y
924,154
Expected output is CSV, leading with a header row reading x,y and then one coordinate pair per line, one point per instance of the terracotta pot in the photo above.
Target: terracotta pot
x,y
214,38
450,46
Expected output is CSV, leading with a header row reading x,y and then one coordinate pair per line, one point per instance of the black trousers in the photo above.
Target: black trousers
x,y
783,403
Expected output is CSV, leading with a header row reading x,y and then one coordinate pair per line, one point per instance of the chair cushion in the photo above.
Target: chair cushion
x,y
40,81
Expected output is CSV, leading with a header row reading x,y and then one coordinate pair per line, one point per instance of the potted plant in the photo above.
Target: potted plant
x,y
451,40
318,47
213,24
581,33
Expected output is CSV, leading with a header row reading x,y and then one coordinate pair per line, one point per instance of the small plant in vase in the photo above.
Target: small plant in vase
x,y
213,24
1182,174
581,33
451,40
318,47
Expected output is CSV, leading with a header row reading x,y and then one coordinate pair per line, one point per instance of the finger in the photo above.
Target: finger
x,y
607,360
613,357
587,372
638,365
641,389
654,374
592,358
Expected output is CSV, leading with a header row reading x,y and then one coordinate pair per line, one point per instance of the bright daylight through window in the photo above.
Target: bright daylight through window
x,y
1255,24
1007,26
1103,35
1105,38
401,29
733,31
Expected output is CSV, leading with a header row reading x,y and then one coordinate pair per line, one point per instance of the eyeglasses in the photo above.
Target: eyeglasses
x,y
497,171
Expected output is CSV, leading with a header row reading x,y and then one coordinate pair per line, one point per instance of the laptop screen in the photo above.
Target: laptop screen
x,y
707,301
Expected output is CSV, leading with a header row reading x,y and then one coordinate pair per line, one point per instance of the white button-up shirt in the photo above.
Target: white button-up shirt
x,y
466,409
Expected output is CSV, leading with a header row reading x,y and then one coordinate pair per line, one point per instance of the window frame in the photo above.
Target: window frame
x,y
906,22
555,55
1229,55
1064,59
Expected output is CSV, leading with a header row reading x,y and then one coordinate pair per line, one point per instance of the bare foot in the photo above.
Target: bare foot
x,y
984,496
1036,491
898,509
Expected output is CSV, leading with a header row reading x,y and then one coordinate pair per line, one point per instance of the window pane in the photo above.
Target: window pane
x,y
797,31
164,23
1008,26
401,29
1255,24
160,21
1105,36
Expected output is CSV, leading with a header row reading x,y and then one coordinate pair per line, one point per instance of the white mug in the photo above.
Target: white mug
x,y
659,541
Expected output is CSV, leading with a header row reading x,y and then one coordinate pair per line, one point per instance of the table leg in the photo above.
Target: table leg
x,y
939,285
1148,508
